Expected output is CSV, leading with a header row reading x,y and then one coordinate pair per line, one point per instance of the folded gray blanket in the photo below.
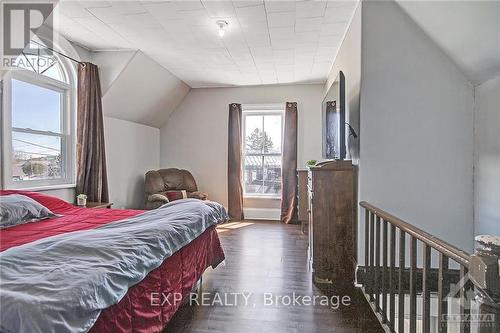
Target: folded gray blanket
x,y
61,283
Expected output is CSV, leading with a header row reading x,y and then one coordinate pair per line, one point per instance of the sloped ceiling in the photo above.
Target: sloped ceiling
x,y
143,92
467,31
111,64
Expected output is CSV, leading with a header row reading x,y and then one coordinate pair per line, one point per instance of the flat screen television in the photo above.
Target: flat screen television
x,y
333,112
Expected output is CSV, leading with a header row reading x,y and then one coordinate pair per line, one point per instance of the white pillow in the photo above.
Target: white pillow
x,y
17,209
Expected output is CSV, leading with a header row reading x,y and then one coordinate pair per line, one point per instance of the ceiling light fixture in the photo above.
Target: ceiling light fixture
x,y
222,27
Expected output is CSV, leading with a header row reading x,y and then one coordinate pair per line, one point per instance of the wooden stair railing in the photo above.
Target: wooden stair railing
x,y
385,276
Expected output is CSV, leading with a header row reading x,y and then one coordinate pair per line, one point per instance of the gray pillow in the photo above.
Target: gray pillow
x,y
17,209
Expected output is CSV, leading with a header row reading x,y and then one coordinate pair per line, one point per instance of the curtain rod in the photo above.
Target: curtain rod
x,y
60,53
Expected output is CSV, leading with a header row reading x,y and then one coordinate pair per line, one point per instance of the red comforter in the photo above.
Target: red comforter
x,y
150,304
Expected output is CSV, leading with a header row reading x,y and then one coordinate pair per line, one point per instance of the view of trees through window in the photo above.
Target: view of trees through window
x,y
262,154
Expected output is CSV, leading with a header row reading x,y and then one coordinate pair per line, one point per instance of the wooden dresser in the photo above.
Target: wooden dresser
x,y
331,222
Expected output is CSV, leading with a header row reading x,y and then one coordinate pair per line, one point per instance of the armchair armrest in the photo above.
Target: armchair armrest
x,y
158,198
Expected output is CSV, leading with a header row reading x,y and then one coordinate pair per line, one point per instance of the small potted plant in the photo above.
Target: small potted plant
x,y
81,199
311,163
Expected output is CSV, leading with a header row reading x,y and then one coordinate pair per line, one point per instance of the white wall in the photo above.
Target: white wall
x,y
487,167
416,128
131,150
195,136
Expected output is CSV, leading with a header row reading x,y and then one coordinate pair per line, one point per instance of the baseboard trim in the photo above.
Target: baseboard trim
x,y
262,214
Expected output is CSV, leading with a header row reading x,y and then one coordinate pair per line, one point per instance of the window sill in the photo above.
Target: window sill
x,y
264,197
42,188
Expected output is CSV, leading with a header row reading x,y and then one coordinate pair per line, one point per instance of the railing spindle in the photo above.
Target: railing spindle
x,y
377,264
426,291
464,306
392,310
443,289
413,284
372,254
367,244
401,295
384,267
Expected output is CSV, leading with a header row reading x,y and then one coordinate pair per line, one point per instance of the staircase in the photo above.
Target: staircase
x,y
416,282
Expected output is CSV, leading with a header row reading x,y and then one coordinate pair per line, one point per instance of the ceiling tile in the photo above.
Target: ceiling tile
x,y
254,28
256,40
333,28
196,17
282,33
326,51
284,19
118,8
94,4
262,51
306,37
103,31
321,67
219,9
251,14
72,9
162,11
308,24
248,69
141,21
322,58
338,3
310,8
273,6
338,14
242,3
188,5
325,40
286,77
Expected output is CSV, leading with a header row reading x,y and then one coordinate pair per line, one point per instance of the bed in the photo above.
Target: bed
x,y
146,306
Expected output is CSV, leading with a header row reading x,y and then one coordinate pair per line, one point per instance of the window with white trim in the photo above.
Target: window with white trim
x,y
262,150
38,136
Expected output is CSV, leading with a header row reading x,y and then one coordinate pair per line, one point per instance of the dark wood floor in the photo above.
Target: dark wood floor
x,y
268,257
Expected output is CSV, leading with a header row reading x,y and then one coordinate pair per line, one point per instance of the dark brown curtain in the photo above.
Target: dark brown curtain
x,y
91,177
289,190
235,189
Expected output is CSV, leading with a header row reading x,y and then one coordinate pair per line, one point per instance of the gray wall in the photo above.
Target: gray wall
x,y
487,167
416,128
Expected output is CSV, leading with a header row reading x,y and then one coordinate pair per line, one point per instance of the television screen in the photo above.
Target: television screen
x,y
334,121
332,129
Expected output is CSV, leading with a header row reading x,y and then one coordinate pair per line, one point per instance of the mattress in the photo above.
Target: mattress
x,y
138,310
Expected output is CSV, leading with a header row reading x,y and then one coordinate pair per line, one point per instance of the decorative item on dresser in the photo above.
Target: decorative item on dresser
x,y
331,219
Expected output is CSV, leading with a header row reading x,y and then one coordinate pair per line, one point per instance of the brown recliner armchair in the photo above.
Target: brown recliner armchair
x,y
166,185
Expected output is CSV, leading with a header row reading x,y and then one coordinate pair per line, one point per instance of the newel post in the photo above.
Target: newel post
x,y
484,271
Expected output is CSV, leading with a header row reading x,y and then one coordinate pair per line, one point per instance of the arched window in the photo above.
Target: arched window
x,y
38,136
